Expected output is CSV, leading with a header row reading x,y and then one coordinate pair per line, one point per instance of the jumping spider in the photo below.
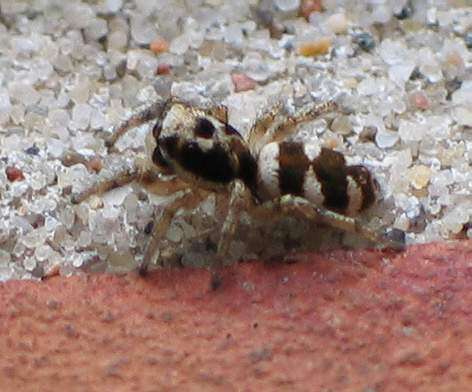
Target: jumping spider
x,y
194,151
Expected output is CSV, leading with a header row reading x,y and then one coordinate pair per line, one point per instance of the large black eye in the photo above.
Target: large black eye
x,y
204,128
158,159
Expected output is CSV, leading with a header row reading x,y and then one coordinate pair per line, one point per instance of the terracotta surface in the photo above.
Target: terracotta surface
x,y
343,321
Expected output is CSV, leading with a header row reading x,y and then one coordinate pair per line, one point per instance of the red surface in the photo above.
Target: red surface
x,y
342,321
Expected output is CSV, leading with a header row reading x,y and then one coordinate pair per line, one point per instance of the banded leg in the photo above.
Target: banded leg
x,y
220,112
257,134
189,199
239,200
149,178
273,125
150,113
394,238
120,179
289,204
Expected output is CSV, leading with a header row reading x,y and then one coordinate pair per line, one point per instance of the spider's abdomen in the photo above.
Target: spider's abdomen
x,y
320,175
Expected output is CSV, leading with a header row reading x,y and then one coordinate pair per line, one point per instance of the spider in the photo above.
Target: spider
x,y
194,150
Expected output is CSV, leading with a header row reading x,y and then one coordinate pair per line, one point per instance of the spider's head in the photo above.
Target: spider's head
x,y
202,148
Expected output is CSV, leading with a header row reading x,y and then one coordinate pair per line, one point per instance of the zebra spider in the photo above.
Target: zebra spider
x,y
195,150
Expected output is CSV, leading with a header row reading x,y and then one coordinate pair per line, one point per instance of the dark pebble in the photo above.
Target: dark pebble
x,y
468,39
38,271
416,74
33,150
405,12
451,86
365,41
121,69
148,228
417,218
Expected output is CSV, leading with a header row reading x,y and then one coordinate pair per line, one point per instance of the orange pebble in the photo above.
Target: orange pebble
x,y
14,174
419,100
309,6
94,164
315,48
159,45
242,82
163,69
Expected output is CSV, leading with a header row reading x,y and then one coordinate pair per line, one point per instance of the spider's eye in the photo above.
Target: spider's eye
x,y
158,159
204,128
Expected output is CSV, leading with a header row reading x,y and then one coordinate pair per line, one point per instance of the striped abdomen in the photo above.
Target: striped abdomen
x,y
318,174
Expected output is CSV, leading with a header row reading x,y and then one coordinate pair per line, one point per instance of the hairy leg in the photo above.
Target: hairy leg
x,y
274,124
394,238
189,199
298,206
120,179
257,134
160,185
220,112
240,199
150,113
141,172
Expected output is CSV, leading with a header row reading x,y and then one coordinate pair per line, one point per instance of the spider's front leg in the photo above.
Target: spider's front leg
x,y
120,179
289,204
141,172
156,184
189,199
274,125
240,199
150,113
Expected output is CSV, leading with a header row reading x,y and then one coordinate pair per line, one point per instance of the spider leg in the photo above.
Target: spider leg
x,y
150,113
154,183
120,179
298,206
394,239
311,111
189,199
160,185
257,134
140,172
274,125
220,112
239,200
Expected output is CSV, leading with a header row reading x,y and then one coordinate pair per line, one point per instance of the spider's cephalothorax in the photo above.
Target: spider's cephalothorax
x,y
195,150
202,149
